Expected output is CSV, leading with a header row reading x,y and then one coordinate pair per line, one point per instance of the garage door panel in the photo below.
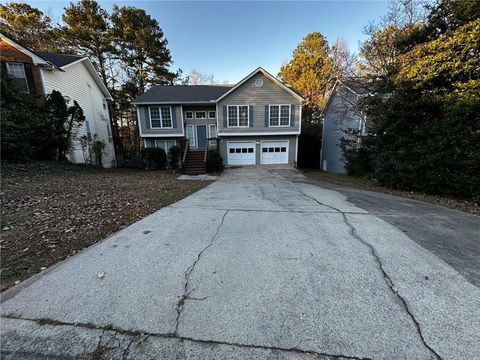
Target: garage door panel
x,y
275,152
241,153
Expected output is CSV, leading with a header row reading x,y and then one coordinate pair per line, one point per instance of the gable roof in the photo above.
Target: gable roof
x,y
356,87
36,59
172,94
268,75
59,60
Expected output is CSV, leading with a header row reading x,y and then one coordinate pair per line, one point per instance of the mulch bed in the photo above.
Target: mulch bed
x,y
50,211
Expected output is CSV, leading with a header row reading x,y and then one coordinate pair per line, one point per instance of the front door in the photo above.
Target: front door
x,y
201,136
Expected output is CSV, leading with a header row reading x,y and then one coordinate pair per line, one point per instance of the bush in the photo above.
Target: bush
x,y
174,156
214,161
154,158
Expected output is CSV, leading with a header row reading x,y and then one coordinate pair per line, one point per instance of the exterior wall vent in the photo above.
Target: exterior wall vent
x,y
259,82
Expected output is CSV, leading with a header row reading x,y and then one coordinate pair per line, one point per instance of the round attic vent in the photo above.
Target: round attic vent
x,y
259,82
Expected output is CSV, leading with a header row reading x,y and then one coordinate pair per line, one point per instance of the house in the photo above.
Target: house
x,y
256,121
39,73
340,114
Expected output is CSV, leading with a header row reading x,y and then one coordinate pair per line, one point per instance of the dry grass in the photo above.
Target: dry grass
x,y
51,211
466,205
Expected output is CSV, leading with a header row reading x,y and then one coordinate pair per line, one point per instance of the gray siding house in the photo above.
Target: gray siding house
x,y
256,121
340,113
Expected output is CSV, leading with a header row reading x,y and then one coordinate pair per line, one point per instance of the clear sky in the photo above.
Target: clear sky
x,y
230,38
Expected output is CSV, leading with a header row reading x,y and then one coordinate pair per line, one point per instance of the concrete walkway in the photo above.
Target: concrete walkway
x,y
262,264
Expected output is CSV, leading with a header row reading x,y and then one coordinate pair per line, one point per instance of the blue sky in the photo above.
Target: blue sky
x,y
229,39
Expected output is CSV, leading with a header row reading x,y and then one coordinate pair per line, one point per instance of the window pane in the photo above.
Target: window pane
x,y
250,150
238,151
212,114
188,115
243,115
265,150
244,150
285,115
191,138
213,131
284,149
166,118
160,144
200,115
231,151
277,149
232,116
273,115
17,73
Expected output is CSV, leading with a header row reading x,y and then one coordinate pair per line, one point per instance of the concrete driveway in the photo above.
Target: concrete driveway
x,y
261,264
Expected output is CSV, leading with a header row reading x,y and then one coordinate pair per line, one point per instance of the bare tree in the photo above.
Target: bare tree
x,y
197,78
343,60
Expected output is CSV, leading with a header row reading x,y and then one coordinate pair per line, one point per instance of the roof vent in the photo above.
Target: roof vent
x,y
259,82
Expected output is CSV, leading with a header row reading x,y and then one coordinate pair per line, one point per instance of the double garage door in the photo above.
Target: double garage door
x,y
243,153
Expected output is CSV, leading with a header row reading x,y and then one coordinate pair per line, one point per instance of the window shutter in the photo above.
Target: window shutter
x,y
30,81
292,115
250,115
266,115
147,117
174,116
225,116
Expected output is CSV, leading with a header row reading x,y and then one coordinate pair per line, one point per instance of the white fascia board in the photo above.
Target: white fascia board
x,y
259,133
161,135
268,75
212,102
37,60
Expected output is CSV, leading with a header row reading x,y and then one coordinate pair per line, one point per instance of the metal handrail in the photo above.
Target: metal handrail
x,y
185,151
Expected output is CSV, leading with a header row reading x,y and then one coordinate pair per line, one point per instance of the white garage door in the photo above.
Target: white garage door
x,y
275,152
241,153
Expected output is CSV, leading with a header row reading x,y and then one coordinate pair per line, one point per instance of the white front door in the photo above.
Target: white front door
x,y
275,152
241,153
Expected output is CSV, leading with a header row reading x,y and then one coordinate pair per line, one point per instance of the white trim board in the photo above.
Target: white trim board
x,y
268,75
258,133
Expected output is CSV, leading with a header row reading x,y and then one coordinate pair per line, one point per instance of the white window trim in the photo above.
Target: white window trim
x,y
279,115
194,142
197,112
209,111
238,117
9,63
188,112
210,131
161,118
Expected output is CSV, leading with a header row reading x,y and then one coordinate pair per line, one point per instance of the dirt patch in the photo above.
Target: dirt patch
x,y
466,205
51,211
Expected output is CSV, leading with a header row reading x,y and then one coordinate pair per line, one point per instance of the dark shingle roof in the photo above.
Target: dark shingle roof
x,y
182,93
59,60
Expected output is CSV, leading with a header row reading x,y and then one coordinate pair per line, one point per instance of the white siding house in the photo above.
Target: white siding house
x,y
76,78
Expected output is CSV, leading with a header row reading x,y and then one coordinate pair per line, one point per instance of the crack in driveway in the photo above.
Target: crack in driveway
x,y
186,292
386,277
390,284
144,335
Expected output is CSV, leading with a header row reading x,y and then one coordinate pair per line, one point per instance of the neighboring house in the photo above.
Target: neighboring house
x,y
39,73
341,113
256,121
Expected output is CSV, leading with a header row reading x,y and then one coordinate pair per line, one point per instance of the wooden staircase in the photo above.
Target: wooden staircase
x,y
195,162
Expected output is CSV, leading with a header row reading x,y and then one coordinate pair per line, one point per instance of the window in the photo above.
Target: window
x,y
104,104
161,117
188,114
279,115
190,135
164,144
17,73
200,114
109,132
212,128
212,114
88,131
238,116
